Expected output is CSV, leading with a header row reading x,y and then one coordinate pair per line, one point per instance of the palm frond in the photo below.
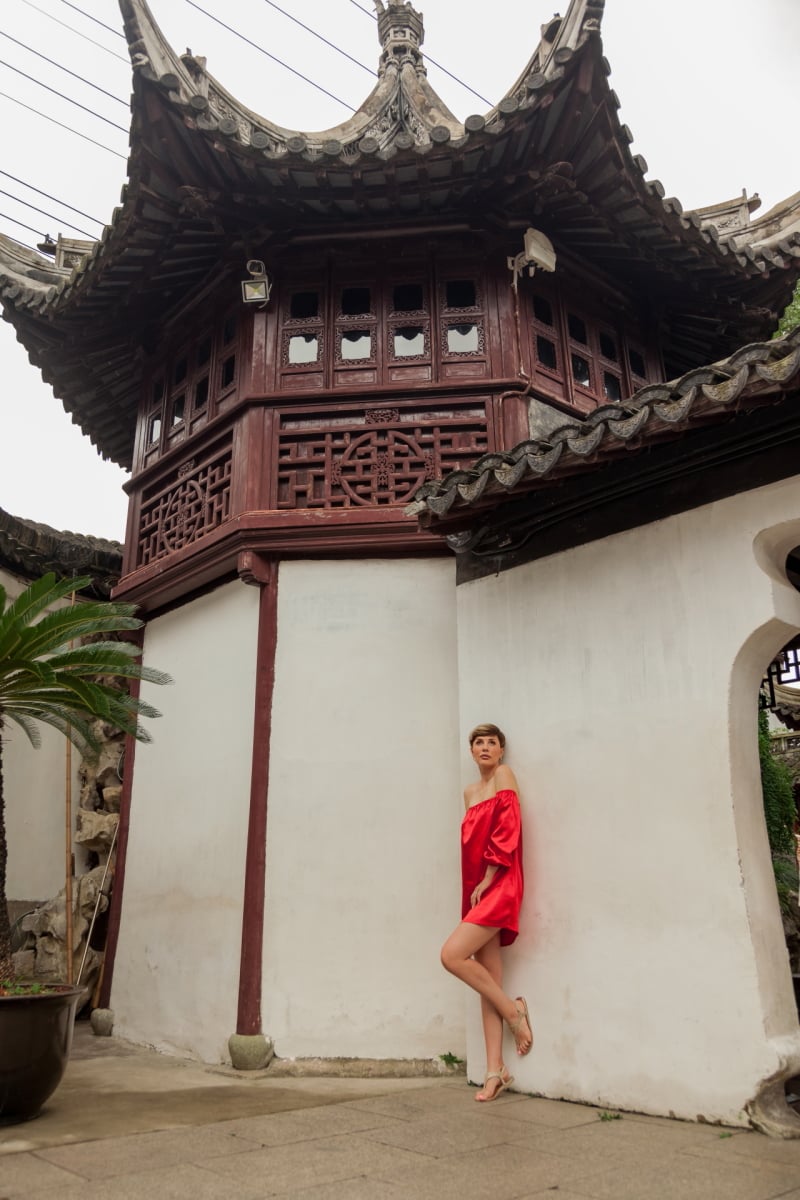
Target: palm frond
x,y
25,723
90,653
73,725
37,597
107,658
66,625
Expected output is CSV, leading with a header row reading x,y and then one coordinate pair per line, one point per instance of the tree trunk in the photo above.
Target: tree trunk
x,y
6,963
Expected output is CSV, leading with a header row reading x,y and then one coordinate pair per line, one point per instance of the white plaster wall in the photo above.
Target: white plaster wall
x,y
34,789
625,675
364,808
176,972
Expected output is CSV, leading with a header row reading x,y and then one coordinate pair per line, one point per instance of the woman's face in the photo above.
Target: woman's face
x,y
486,750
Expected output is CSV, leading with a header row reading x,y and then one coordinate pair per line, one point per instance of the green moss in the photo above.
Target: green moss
x,y
776,784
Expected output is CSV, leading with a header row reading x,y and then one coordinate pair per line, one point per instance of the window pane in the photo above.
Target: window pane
x,y
546,353
201,394
154,430
229,329
542,310
228,371
608,346
204,352
637,364
611,386
356,343
355,302
158,391
408,297
460,293
463,339
304,305
178,409
303,348
409,342
577,329
179,372
580,371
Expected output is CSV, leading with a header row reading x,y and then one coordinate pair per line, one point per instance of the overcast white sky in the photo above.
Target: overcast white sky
x,y
708,88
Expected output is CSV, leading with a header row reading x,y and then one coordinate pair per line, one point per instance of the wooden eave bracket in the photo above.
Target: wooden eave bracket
x,y
254,568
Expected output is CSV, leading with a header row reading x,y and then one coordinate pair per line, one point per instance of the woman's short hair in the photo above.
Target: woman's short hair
x,y
488,731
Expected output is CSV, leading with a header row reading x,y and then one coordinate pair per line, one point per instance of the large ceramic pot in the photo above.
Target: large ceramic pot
x,y
35,1041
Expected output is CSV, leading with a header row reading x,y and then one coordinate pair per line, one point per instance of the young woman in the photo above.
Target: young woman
x,y
492,884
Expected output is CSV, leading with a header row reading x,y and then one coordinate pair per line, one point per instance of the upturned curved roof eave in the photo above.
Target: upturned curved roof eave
x,y
505,140
556,134
190,96
189,83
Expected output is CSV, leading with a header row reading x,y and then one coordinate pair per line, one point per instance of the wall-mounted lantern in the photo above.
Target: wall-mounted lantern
x,y
256,289
538,252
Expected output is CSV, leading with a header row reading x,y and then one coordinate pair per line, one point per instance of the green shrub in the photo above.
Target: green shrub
x,y
776,784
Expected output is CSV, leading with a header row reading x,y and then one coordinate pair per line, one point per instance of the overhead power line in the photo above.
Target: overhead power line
x,y
61,96
66,70
61,125
432,61
77,32
22,225
320,38
27,245
261,50
44,213
55,199
89,17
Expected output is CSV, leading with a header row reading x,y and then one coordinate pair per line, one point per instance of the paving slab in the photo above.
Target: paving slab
x,y
128,1123
688,1177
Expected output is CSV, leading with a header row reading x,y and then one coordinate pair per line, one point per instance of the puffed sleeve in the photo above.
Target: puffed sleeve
x,y
504,837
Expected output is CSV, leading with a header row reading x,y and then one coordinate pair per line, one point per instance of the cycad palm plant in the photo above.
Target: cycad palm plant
x,y
47,675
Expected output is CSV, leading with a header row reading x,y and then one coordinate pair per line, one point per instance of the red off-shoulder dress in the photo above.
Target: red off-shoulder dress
x,y
491,832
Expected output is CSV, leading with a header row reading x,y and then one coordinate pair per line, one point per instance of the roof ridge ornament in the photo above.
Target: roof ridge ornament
x,y
402,32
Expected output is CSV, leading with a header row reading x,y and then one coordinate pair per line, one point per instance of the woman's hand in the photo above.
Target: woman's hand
x,y
477,892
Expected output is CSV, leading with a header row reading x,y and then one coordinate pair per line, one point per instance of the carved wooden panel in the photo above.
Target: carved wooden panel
x,y
378,457
192,502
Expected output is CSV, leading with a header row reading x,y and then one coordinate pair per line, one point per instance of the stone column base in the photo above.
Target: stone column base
x,y
250,1052
102,1022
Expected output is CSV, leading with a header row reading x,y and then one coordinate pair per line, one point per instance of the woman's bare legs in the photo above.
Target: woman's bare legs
x,y
457,958
489,957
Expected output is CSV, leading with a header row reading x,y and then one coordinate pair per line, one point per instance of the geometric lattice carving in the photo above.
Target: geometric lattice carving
x,y
322,464
194,501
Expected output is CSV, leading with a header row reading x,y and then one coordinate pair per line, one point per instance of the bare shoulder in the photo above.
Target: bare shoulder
x,y
470,792
505,779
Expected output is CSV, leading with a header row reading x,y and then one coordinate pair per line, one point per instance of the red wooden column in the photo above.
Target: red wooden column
x,y
254,568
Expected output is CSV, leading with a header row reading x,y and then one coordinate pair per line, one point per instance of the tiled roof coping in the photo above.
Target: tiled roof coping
x,y
657,407
31,549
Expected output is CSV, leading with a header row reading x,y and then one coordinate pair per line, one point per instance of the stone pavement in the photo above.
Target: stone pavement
x,y
127,1123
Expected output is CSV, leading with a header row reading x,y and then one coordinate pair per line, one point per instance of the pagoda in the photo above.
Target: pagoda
x,y
297,342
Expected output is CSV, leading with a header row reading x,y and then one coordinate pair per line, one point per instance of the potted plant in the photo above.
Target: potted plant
x,y
47,674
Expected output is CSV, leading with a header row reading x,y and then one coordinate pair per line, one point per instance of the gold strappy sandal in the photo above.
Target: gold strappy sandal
x,y
505,1082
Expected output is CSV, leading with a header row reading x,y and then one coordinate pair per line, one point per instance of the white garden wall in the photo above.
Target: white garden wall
x,y
625,674
176,974
364,809
35,791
